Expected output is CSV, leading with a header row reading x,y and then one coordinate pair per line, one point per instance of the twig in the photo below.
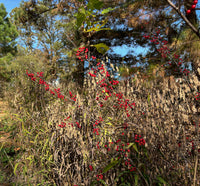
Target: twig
x,y
184,18
195,170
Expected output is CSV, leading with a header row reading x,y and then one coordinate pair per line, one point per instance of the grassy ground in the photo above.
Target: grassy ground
x,y
7,146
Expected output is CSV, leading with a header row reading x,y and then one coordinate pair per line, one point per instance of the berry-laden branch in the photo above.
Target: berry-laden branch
x,y
195,30
118,147
193,7
156,39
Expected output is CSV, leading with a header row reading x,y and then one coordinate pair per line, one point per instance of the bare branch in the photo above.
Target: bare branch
x,y
195,30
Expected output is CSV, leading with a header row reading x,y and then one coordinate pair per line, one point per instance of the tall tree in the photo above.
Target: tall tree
x,y
33,20
98,22
49,26
41,27
8,47
8,34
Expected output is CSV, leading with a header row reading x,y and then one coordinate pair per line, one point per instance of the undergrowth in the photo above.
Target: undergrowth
x,y
46,153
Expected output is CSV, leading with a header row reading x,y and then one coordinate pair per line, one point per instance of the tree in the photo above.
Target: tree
x,y
8,33
49,26
41,27
8,48
33,21
97,21
161,14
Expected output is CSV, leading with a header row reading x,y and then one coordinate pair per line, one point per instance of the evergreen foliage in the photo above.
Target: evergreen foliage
x,y
8,34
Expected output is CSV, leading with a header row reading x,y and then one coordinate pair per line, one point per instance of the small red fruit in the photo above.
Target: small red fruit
x,y
193,6
195,2
188,11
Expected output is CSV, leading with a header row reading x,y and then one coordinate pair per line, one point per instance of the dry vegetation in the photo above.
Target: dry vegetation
x,y
165,115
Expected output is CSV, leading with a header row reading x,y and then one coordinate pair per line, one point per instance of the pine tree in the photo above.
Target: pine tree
x,y
8,34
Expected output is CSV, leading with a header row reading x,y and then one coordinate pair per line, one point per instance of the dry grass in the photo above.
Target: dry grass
x,y
164,114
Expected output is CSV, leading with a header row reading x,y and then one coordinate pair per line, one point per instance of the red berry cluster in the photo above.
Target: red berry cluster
x,y
53,92
123,149
42,82
123,153
107,85
156,39
71,96
192,148
189,141
139,140
161,43
99,176
192,7
96,130
120,103
82,53
63,124
197,97
195,124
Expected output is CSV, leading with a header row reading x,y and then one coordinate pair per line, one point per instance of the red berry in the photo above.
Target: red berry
x,y
188,11
193,6
195,2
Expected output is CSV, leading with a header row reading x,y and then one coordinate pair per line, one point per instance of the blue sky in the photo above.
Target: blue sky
x,y
10,4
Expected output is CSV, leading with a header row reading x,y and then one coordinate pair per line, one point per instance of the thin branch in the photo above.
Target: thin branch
x,y
195,170
184,18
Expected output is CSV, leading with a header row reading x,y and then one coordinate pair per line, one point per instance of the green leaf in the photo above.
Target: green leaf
x,y
149,99
110,118
136,179
97,28
84,115
109,124
24,130
145,152
106,132
110,165
15,168
2,145
161,180
76,14
130,145
102,181
82,10
18,117
135,147
50,158
101,48
146,177
94,183
94,4
45,145
105,11
80,19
